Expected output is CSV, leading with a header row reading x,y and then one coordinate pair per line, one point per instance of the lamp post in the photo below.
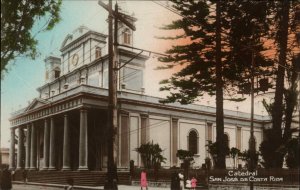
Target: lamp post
x,y
252,139
299,104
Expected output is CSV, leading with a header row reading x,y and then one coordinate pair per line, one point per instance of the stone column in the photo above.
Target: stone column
x,y
83,141
174,140
66,148
20,164
12,149
46,144
33,155
28,147
52,158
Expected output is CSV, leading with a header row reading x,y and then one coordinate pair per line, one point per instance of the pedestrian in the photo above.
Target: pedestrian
x,y
175,181
25,176
181,178
6,179
70,183
111,181
144,184
13,172
188,184
115,177
194,183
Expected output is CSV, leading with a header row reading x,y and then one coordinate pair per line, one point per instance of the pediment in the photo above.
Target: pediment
x,y
66,41
36,103
74,36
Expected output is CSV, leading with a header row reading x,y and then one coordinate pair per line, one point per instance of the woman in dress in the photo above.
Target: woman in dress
x,y
144,184
194,183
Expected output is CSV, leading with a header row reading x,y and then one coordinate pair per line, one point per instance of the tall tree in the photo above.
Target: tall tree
x,y
246,37
201,59
17,20
286,25
282,39
221,145
290,99
217,57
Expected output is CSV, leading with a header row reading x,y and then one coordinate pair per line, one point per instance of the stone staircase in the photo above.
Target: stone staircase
x,y
81,178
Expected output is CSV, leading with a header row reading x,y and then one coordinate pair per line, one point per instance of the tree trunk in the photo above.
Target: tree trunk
x,y
219,94
291,101
278,103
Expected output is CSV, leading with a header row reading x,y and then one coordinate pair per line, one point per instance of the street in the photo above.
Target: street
x,y
33,187
37,187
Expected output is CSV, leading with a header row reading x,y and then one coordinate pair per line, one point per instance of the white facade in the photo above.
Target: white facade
x,y
80,89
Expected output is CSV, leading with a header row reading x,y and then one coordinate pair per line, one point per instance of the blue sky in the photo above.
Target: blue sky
x,y
19,85
25,75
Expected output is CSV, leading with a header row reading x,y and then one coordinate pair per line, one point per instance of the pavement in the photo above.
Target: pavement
x,y
34,187
42,187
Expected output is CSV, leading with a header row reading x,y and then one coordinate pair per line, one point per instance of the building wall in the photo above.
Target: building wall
x,y
134,137
160,132
159,129
185,126
5,155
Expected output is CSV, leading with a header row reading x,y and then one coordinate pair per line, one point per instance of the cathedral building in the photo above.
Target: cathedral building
x,y
65,128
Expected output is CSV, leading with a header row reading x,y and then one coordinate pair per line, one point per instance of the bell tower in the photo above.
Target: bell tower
x,y
125,34
53,69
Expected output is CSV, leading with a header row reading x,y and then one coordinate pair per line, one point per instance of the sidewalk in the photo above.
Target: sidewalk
x,y
60,187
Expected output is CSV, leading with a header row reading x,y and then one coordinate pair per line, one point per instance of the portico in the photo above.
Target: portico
x,y
59,137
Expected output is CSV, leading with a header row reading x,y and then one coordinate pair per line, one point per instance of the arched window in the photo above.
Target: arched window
x,y
226,139
193,142
126,36
97,52
56,72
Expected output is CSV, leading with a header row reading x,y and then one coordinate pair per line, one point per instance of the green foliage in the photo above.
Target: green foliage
x,y
245,156
290,98
151,155
241,22
268,107
216,59
184,155
285,24
212,149
266,148
234,152
197,75
248,31
17,20
293,150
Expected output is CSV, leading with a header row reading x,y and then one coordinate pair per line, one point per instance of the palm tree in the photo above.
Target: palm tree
x,y
151,155
234,152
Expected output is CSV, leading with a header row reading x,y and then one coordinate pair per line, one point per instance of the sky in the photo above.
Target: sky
x,y
19,85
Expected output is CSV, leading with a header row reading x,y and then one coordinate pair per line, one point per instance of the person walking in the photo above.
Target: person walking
x,y
175,181
144,184
181,178
25,176
6,179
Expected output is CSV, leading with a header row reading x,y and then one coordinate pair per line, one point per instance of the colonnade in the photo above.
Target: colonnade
x,y
49,150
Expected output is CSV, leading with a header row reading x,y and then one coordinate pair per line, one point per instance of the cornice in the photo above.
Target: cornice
x,y
87,35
